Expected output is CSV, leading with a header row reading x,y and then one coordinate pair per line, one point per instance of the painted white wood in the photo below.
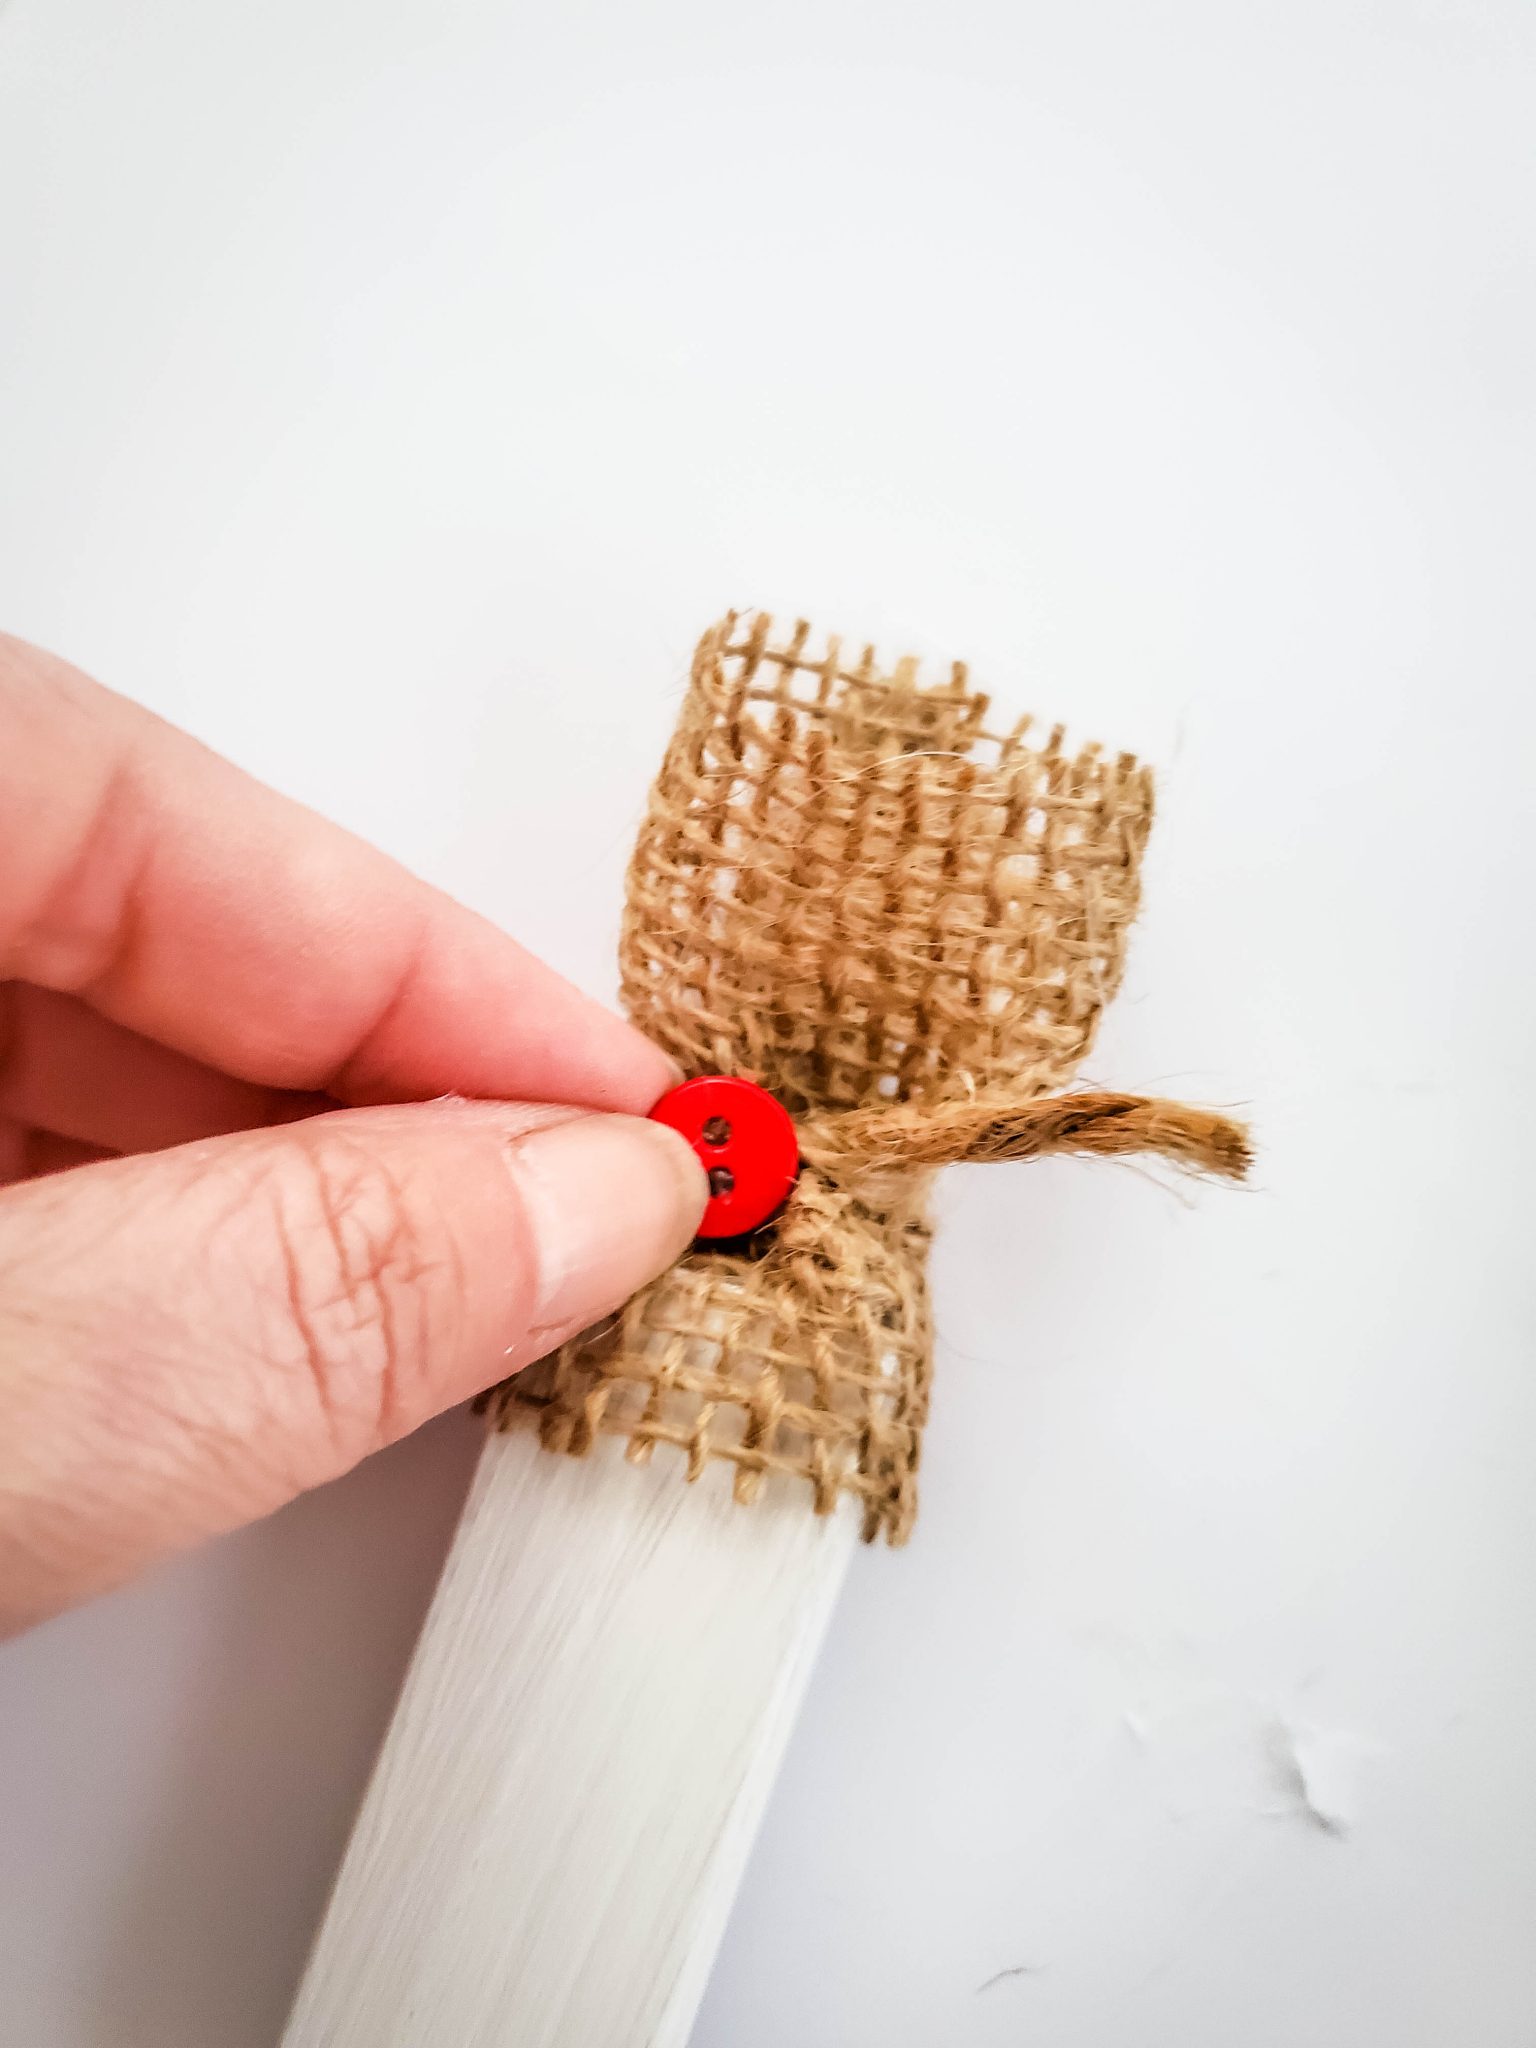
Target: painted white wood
x,y
586,1739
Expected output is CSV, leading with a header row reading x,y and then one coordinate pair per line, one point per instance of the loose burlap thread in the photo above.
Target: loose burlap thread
x,y
849,890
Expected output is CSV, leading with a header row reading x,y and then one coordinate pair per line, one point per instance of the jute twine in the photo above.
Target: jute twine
x,y
850,891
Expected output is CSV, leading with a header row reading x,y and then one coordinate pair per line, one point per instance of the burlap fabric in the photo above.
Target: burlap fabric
x,y
906,926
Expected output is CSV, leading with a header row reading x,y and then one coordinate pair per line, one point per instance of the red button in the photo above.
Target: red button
x,y
747,1143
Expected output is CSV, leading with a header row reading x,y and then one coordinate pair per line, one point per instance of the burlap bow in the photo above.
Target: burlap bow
x,y
906,928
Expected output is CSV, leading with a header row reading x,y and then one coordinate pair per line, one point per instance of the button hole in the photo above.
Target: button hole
x,y
721,1180
717,1131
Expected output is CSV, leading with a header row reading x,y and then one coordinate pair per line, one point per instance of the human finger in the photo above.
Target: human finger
x,y
188,1338
186,901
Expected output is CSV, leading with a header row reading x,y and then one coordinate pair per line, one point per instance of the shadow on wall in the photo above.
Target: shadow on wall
x,y
282,1717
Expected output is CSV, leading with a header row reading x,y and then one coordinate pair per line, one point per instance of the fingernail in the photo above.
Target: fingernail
x,y
611,1201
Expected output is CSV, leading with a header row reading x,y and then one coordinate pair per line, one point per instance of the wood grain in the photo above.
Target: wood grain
x,y
564,1804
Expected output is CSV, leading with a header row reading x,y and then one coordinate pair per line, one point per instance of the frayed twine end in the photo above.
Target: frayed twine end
x,y
1102,1125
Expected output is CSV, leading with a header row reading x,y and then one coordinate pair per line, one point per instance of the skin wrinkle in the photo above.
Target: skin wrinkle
x,y
530,1283
540,1282
342,1082
164,1401
348,1305
419,1317
267,1361
106,942
301,1331
91,1430
411,1300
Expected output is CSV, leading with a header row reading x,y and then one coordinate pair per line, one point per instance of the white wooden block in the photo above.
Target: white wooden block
x,y
564,1804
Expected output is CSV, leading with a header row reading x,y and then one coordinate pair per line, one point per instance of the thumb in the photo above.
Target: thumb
x,y
191,1337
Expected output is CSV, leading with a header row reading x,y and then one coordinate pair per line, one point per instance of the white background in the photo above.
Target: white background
x,y
390,390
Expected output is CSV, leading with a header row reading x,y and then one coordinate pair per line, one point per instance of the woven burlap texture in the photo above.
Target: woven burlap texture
x,y
906,926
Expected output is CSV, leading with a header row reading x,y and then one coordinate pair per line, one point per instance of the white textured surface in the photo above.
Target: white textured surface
x,y
390,391
591,1725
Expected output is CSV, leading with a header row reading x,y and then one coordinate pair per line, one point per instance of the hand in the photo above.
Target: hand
x,y
249,1230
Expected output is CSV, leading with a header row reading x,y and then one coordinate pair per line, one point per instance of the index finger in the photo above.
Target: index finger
x,y
182,898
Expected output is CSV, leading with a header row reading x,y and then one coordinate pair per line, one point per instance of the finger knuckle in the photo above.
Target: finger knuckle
x,y
369,1287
